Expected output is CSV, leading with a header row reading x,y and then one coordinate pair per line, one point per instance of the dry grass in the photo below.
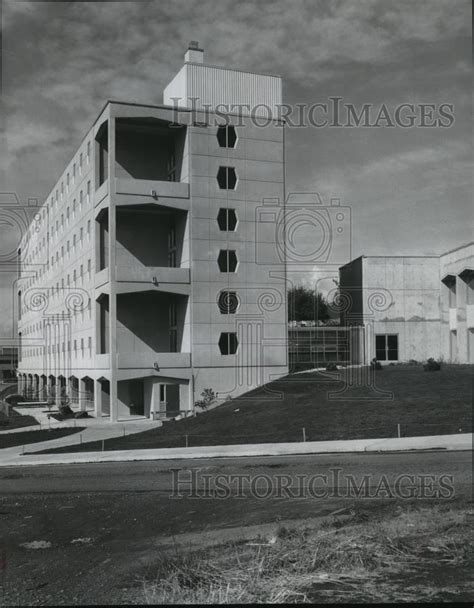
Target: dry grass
x,y
300,565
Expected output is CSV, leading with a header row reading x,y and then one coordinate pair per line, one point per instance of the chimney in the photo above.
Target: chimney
x,y
194,54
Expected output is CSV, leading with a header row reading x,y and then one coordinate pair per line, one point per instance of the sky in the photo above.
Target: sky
x,y
409,190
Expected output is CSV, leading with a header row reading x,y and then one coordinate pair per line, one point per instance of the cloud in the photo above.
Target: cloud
x,y
63,60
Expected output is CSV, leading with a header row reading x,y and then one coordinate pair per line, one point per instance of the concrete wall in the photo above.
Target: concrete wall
x,y
260,321
143,150
406,296
143,322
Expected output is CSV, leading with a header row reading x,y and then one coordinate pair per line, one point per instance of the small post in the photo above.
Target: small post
x,y
102,445
304,434
186,440
124,431
398,430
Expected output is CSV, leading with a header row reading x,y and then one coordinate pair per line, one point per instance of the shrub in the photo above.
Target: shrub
x,y
412,362
65,411
432,365
208,396
331,367
376,364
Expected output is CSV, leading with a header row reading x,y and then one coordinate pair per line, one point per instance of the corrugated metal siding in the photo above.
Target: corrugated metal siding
x,y
215,86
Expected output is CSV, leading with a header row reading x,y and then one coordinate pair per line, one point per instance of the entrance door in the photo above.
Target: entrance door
x,y
137,397
169,399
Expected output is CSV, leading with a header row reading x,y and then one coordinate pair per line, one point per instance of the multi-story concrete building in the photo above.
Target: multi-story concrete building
x,y
412,307
148,275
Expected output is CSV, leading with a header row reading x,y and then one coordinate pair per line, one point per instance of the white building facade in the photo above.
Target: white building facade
x,y
142,280
412,307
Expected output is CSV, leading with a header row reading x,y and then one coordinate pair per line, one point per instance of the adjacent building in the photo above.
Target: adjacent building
x,y
412,307
148,275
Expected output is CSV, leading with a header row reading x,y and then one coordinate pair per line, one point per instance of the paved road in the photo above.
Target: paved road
x,y
108,523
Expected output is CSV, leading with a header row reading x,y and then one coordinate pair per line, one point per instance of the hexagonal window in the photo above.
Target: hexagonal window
x,y
228,343
227,260
228,302
227,219
227,178
226,136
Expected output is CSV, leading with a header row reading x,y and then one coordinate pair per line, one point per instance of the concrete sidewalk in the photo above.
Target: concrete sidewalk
x,y
436,442
93,431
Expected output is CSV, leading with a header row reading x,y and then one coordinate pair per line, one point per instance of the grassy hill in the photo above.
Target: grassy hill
x,y
423,403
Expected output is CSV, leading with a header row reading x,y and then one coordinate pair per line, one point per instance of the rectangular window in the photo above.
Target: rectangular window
x,y
173,330
172,247
386,347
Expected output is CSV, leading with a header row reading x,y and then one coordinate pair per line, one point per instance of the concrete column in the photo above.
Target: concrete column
x,y
36,385
97,398
58,392
82,395
112,273
461,329
21,384
29,385
71,391
185,398
151,396
43,388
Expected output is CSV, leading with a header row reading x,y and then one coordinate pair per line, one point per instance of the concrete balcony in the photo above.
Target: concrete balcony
x,y
453,319
101,193
101,278
102,361
470,316
146,360
174,195
135,278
